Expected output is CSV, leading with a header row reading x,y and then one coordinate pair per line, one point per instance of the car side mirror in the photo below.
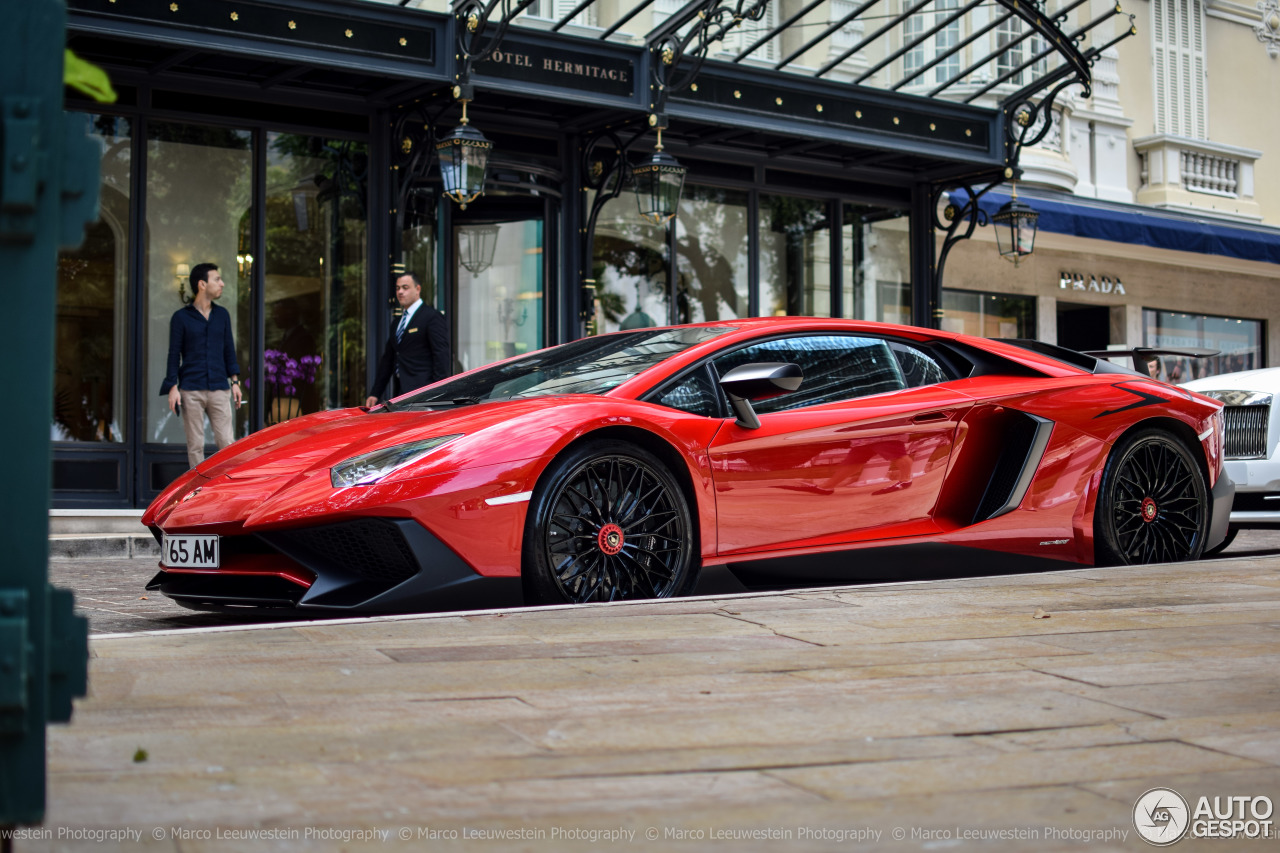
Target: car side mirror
x,y
759,381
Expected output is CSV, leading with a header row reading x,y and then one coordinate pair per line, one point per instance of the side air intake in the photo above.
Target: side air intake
x,y
1024,444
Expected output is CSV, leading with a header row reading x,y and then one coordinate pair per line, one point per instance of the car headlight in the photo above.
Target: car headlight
x,y
372,467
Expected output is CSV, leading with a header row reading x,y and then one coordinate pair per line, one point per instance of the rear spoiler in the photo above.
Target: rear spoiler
x,y
1142,355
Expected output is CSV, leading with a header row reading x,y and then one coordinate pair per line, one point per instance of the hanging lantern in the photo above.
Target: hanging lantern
x,y
1015,225
658,183
464,162
478,245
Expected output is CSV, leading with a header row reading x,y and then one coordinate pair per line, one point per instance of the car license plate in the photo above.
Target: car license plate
x,y
189,552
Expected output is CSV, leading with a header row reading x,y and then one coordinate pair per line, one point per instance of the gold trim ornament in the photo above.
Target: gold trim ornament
x,y
293,25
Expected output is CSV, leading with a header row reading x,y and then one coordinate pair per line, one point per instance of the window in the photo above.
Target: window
x,y
1239,341
940,43
214,165
836,367
694,394
988,315
90,365
1178,43
918,367
795,257
877,264
557,9
1020,50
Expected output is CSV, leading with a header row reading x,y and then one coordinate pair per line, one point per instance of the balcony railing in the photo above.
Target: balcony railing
x,y
1194,174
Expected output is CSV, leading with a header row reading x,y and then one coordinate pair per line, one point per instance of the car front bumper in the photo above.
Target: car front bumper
x,y
1257,497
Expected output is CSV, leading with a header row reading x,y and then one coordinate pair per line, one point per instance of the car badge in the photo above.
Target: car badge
x,y
191,494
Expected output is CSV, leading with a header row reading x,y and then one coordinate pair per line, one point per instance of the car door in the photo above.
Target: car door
x,y
859,451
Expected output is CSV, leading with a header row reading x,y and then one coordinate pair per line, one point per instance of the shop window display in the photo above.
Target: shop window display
x,y
988,315
1238,340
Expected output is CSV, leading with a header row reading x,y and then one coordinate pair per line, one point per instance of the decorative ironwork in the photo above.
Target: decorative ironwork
x,y
950,218
678,58
474,43
606,170
413,137
1026,122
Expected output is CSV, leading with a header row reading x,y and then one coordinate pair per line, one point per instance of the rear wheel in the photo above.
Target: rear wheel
x,y
608,522
1154,502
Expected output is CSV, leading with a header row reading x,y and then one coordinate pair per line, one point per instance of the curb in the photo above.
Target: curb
x,y
106,546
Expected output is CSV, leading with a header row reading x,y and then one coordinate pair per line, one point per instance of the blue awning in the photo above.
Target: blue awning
x,y
1143,226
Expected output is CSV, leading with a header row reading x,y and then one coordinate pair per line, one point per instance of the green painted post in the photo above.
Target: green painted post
x,y
48,193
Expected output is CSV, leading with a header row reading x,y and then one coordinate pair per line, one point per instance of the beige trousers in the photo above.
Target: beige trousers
x,y
194,406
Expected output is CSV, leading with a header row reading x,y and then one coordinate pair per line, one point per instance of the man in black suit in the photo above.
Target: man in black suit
x,y
417,352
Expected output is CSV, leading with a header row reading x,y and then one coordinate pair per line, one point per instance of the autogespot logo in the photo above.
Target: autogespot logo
x,y
1161,816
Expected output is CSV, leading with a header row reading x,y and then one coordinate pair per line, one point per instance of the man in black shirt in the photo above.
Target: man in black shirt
x,y
417,352
202,373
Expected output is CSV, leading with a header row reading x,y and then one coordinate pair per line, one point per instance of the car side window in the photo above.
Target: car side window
x,y
918,367
836,367
694,394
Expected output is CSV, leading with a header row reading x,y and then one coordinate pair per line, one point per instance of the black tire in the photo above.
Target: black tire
x,y
1225,543
1154,503
608,522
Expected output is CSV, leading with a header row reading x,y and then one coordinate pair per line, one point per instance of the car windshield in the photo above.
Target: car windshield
x,y
588,366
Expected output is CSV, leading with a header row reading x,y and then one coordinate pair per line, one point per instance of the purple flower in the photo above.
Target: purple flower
x,y
285,373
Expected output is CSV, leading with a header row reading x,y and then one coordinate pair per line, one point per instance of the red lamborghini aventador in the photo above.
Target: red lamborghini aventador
x,y
620,466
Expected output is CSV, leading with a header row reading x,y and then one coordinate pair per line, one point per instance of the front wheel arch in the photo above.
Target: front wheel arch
x,y
1147,453
660,448
598,485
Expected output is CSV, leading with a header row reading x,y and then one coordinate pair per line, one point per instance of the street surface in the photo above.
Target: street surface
x,y
111,592
1016,714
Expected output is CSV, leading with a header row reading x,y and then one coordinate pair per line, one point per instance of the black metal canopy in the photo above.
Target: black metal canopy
x,y
922,89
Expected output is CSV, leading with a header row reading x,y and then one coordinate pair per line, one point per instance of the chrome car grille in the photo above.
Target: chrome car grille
x,y
1246,431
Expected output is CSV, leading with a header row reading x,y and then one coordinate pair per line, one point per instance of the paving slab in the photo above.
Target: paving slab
x,y
929,716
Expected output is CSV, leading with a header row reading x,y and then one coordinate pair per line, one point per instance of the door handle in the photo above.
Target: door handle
x,y
928,417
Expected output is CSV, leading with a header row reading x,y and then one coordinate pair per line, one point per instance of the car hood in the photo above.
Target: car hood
x,y
320,442
1266,379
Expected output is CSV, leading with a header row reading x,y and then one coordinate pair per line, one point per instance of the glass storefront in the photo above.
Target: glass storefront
x,y
877,263
500,289
91,344
198,209
630,266
712,264
795,273
988,315
1238,340
795,257
314,276
209,190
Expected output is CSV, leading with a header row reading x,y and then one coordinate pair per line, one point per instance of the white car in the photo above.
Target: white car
x,y
1252,452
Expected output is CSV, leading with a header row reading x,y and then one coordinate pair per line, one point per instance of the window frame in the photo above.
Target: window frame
x,y
936,350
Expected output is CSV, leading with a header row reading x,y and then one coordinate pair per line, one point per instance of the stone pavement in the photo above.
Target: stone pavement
x,y
816,720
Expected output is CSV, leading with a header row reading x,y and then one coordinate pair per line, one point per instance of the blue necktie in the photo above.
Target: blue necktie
x,y
404,321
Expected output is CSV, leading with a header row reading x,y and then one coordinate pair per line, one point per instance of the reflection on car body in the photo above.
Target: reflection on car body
x,y
782,449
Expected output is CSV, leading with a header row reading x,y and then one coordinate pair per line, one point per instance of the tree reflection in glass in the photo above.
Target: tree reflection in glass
x,y
314,275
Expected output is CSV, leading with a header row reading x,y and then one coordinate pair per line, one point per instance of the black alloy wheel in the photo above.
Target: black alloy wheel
x,y
608,522
1154,502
